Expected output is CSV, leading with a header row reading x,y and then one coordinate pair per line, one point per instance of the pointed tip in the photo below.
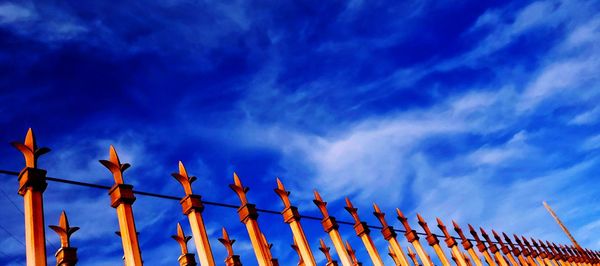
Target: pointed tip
x,y
317,195
439,221
30,139
279,184
471,228
455,224
114,157
63,221
377,210
180,231
224,232
321,242
236,180
182,170
399,212
495,234
348,203
482,231
420,218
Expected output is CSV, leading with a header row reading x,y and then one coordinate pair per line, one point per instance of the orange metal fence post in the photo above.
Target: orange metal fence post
x,y
493,248
352,254
268,246
186,258
516,251
433,241
452,244
504,248
551,258
534,253
300,259
413,238
412,256
192,207
481,247
325,250
389,234
331,227
121,197
542,255
232,259
248,216
292,217
362,231
394,256
66,255
467,245
32,184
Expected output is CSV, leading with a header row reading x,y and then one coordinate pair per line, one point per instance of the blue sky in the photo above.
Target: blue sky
x,y
468,111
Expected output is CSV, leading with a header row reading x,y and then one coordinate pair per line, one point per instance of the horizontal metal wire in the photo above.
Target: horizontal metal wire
x,y
213,203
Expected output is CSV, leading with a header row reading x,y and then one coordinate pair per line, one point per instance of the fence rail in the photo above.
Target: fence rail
x,y
500,250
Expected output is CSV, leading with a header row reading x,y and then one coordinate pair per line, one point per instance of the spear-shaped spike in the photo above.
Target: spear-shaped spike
x,y
63,230
239,189
181,239
325,250
227,242
403,220
322,205
380,215
184,179
283,194
443,228
412,256
353,211
30,150
352,254
115,166
426,228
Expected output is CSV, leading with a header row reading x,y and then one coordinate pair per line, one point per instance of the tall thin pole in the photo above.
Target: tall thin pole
x,y
32,184
563,227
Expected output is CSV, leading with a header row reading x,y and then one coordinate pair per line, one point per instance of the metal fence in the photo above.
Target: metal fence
x,y
497,249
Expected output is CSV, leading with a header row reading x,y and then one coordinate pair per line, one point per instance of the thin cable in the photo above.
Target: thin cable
x,y
213,203
13,236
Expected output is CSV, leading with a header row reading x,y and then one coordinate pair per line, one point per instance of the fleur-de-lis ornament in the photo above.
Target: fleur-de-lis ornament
x,y
181,239
184,179
115,166
239,189
283,194
30,150
63,230
227,242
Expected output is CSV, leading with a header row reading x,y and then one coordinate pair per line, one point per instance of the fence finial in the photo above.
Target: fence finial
x,y
505,249
323,248
122,199
493,248
291,216
352,254
452,244
32,184
389,234
413,238
248,216
232,259
331,226
66,255
362,230
186,258
467,245
192,207
481,247
433,241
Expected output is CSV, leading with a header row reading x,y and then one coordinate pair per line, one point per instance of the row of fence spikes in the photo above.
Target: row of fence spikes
x,y
32,180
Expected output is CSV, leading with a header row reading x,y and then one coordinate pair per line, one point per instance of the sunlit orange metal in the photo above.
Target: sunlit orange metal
x,y
571,255
66,255
413,238
516,251
393,256
32,184
323,248
481,247
562,261
433,241
232,259
300,259
389,234
534,254
186,258
551,258
121,196
452,244
248,216
505,249
412,256
331,227
352,254
542,255
493,248
192,207
362,231
268,246
467,245
292,217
